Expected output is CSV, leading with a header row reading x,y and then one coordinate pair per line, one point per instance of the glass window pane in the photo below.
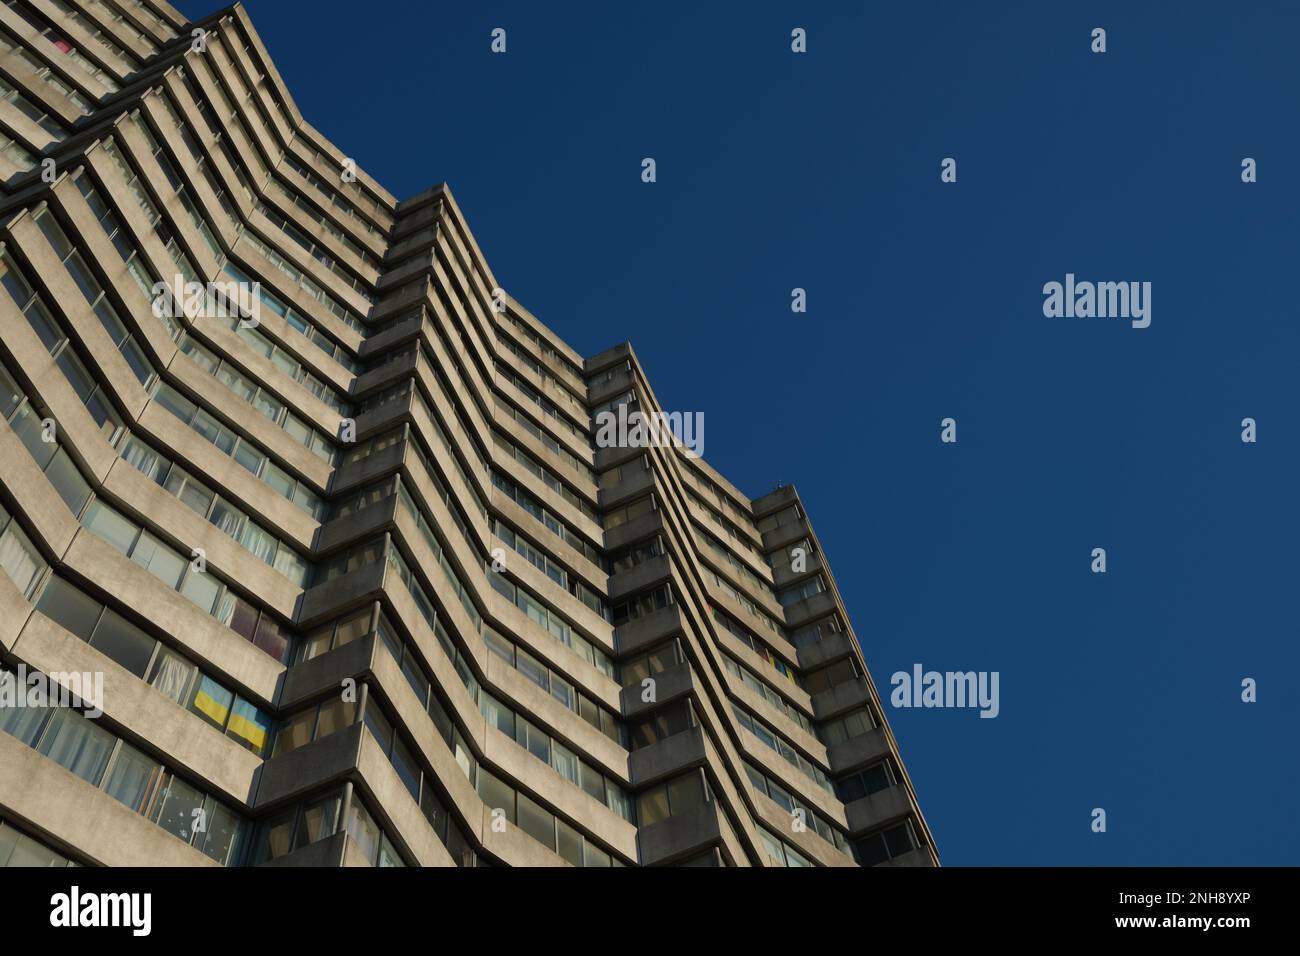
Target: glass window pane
x,y
537,742
388,854
406,767
171,676
69,607
364,831
271,638
222,827
502,718
335,714
532,668
119,639
318,820
652,806
898,840
176,810
24,723
496,795
229,519
569,842
565,762
536,821
592,782
685,793
19,850
133,778
353,627
20,560
295,732
277,836
76,744
201,589
562,690
67,481
211,701
250,726
158,559
593,855
110,526
379,726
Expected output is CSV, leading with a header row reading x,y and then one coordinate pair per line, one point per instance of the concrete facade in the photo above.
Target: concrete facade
x,y
359,583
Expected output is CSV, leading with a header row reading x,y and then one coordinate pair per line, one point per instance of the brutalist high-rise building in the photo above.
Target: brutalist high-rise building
x,y
312,553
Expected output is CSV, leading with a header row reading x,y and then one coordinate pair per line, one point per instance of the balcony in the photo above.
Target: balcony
x,y
858,751
877,809
646,574
645,631
680,836
670,683
828,649
667,758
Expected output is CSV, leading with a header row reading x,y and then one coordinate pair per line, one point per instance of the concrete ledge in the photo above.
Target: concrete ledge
x,y
189,743
680,836
668,757
877,809
640,634
327,852
327,760
44,796
858,751
670,684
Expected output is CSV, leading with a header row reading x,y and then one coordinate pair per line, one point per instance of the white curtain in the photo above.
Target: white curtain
x,y
19,559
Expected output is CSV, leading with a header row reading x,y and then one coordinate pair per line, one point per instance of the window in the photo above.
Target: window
x,y
295,732
364,831
802,591
833,675
159,560
533,740
496,796
636,669
853,724
110,526
133,778
17,849
886,845
536,821
672,798
666,721
790,803
628,513
532,668
70,608
782,854
103,760
502,718
277,836
873,779
67,481
118,638
249,726
172,676
643,604
77,744
315,722
19,558
165,670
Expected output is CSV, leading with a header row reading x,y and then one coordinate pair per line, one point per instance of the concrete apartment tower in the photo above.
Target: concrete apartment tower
x,y
311,517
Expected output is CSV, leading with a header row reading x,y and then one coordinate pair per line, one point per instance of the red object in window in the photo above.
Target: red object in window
x,y
272,639
243,620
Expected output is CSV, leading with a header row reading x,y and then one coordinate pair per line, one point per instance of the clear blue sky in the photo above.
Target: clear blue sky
x,y
1119,691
